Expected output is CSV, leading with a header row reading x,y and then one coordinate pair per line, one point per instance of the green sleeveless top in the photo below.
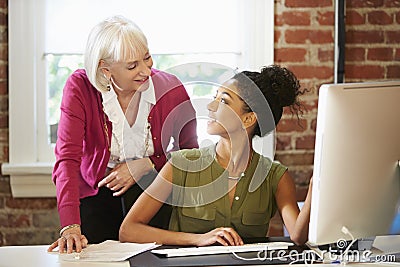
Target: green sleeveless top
x,y
200,194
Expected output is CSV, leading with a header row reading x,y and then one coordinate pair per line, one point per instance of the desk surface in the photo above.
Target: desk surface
x,y
37,256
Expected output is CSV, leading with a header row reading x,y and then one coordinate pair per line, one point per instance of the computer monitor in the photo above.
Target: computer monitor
x,y
356,180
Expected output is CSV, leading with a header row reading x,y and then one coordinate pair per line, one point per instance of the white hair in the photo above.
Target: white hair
x,y
115,39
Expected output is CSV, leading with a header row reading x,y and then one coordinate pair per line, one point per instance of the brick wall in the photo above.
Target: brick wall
x,y
304,33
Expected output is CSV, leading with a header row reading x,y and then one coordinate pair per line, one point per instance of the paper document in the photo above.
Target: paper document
x,y
109,250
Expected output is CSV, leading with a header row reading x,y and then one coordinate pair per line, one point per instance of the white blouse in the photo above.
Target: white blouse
x,y
128,142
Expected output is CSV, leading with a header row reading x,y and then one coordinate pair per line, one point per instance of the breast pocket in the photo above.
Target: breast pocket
x,y
255,224
198,219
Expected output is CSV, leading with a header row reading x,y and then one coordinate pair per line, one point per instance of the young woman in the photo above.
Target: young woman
x,y
118,116
226,192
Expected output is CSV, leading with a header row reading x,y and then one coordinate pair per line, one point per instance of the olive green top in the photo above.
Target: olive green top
x,y
200,194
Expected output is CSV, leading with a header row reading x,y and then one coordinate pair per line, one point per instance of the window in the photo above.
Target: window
x,y
47,39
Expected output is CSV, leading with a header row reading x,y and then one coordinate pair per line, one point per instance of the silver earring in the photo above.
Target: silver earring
x,y
108,84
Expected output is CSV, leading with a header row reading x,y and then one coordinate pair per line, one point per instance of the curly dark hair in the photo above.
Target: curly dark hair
x,y
275,84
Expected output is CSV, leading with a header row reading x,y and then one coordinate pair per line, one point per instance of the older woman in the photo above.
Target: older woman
x,y
118,116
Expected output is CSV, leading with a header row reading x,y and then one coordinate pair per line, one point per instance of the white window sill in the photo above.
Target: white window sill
x,y
30,179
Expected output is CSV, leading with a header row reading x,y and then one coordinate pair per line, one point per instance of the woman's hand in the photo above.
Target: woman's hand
x,y
71,238
126,174
224,235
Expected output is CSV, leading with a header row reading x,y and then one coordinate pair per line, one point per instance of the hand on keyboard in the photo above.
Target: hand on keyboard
x,y
225,236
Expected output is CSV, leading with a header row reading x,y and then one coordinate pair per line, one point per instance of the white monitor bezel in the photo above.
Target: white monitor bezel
x,y
332,189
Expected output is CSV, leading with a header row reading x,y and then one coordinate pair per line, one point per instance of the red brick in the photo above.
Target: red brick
x,y
3,36
364,37
296,18
275,226
355,54
4,155
310,105
397,55
277,36
308,3
46,219
325,55
379,18
3,52
3,19
19,220
364,3
3,88
364,72
290,54
283,142
4,222
291,125
393,37
31,237
312,72
310,86
3,104
354,18
301,192
3,4
306,36
305,142
3,121
278,20
2,206
381,54
326,18
296,159
3,137
393,72
3,71
313,125
392,3
302,175
31,203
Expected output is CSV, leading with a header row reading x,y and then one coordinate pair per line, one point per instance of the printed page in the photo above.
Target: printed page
x,y
108,251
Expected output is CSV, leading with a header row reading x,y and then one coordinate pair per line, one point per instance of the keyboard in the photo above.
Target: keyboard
x,y
209,250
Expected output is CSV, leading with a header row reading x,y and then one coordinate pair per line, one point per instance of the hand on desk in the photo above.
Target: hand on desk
x,y
71,238
224,235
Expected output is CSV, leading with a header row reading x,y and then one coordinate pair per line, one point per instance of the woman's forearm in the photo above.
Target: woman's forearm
x,y
143,233
300,234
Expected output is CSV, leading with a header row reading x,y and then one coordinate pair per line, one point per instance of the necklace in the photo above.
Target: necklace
x,y
242,174
236,178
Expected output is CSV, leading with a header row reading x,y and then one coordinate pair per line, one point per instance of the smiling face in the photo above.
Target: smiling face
x,y
227,112
132,75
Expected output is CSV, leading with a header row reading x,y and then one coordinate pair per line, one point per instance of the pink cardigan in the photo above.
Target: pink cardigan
x,y
82,147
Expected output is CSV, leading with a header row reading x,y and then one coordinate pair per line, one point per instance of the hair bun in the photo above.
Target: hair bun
x,y
282,85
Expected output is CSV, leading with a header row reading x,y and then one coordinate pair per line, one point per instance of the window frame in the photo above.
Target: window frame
x,y
31,158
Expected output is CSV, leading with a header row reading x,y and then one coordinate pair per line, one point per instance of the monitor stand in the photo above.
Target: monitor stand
x,y
364,244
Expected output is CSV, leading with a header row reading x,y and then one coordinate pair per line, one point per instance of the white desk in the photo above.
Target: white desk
x,y
37,256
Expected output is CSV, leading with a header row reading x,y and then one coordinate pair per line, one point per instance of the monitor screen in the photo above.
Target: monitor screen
x,y
356,179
